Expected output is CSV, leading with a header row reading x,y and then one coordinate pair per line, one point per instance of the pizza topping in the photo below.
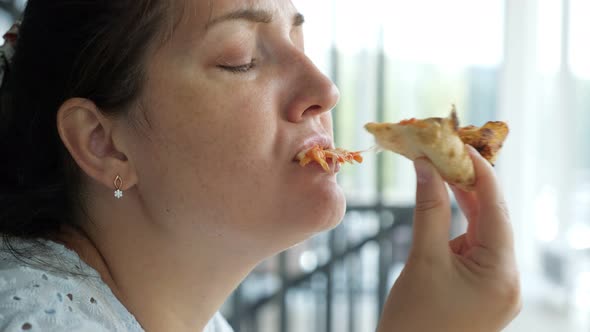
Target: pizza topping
x,y
321,156
413,122
408,121
487,140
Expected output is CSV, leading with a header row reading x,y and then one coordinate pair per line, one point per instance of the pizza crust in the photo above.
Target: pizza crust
x,y
442,142
487,140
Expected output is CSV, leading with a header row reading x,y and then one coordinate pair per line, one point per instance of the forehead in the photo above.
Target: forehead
x,y
191,19
198,13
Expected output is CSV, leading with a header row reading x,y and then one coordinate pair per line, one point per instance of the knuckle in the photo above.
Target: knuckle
x,y
502,208
508,295
514,297
425,206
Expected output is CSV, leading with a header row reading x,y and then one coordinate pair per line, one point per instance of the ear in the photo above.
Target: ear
x,y
88,136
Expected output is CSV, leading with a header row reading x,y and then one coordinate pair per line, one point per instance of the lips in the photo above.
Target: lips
x,y
323,142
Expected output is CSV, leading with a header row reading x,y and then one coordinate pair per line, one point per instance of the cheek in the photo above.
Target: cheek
x,y
326,119
214,150
222,148
210,121
222,136
205,181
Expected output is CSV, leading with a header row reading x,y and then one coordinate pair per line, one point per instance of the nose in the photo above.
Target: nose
x,y
312,92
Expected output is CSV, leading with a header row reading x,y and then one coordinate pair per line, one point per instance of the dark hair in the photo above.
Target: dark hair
x,y
92,49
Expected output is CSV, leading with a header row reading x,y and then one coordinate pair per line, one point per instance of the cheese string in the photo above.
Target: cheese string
x,y
375,148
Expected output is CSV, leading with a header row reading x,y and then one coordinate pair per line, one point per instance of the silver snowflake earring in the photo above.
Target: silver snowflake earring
x,y
118,183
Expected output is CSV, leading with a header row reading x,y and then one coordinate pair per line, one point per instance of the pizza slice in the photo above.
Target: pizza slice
x,y
442,141
321,156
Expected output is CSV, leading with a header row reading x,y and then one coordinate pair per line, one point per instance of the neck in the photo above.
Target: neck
x,y
166,284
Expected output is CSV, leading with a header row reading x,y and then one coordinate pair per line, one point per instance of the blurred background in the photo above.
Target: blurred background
x,y
526,62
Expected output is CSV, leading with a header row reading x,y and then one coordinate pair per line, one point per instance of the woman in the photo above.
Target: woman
x,y
150,165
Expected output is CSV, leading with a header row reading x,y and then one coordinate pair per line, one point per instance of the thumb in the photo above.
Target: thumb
x,y
432,214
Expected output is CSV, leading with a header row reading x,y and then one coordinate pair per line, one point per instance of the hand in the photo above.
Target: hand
x,y
468,284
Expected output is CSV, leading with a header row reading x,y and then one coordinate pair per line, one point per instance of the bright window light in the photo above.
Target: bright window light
x,y
549,31
418,31
579,38
547,226
436,32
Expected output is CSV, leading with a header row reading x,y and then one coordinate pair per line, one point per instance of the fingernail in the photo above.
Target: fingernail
x,y
423,170
472,150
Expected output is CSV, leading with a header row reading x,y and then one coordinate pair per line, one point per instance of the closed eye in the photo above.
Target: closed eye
x,y
240,68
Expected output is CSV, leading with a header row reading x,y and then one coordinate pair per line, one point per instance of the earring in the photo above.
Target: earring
x,y
118,183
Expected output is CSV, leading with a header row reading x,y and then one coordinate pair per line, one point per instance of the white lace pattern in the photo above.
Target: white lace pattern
x,y
34,297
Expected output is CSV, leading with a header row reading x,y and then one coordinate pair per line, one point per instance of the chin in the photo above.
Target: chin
x,y
334,214
300,216
320,210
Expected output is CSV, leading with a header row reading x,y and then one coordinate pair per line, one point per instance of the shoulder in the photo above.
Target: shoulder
x,y
35,300
218,324
36,296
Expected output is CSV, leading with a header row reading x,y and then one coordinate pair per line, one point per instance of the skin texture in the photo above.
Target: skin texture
x,y
211,187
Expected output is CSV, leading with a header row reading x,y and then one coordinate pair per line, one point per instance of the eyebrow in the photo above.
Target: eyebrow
x,y
252,15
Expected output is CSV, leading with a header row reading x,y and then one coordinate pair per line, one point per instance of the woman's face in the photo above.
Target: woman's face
x,y
230,100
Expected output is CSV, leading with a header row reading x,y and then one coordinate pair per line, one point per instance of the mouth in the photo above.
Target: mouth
x,y
323,142
319,153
